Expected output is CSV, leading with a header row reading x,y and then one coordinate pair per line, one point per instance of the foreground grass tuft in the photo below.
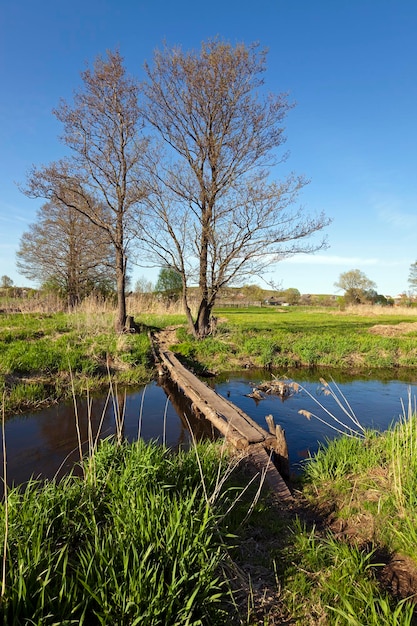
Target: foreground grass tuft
x,y
134,542
332,582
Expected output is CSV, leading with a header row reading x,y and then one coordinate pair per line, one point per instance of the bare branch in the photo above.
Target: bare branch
x,y
213,205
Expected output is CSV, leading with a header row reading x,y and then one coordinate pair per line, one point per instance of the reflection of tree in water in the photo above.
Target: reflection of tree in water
x,y
60,430
40,444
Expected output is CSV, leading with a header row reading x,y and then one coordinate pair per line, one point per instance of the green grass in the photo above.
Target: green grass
x,y
375,476
330,582
299,337
133,542
372,485
40,353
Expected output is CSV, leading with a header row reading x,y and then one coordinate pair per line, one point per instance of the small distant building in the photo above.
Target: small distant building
x,y
273,301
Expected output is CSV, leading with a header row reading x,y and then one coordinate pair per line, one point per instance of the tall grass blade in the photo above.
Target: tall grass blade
x,y
77,420
164,430
345,428
141,412
6,498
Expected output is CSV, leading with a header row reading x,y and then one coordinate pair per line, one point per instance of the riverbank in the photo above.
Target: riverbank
x,y
295,337
48,357
145,536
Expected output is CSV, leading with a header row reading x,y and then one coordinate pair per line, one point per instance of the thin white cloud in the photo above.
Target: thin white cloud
x,y
354,261
13,218
398,219
396,211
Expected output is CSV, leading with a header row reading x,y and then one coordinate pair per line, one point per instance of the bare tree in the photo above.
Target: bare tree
x,y
101,178
64,248
215,217
412,277
357,286
6,282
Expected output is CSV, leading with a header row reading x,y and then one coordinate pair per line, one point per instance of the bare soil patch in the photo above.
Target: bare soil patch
x,y
167,337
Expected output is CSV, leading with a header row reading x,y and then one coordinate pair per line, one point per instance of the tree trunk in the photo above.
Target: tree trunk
x,y
121,292
202,325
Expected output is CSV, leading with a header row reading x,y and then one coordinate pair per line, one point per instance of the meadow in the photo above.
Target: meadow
x,y
352,339
145,536
45,357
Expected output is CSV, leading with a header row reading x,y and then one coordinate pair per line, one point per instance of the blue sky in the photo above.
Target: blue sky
x,y
350,66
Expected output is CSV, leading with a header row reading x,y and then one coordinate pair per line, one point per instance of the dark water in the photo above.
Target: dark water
x,y
45,444
375,403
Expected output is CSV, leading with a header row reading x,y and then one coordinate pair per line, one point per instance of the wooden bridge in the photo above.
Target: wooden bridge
x,y
237,427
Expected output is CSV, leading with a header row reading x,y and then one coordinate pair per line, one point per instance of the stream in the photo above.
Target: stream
x,y
45,444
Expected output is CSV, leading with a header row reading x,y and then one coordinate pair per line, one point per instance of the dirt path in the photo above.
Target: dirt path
x,y
167,337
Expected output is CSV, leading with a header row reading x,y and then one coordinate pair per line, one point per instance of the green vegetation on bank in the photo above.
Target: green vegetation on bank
x,y
42,354
366,490
373,480
306,337
150,537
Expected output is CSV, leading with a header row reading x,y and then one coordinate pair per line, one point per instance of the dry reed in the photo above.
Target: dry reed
x,y
365,310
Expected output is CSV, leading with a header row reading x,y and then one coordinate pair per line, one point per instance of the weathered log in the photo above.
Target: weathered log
x,y
280,447
260,458
281,452
131,326
226,417
223,426
229,420
271,424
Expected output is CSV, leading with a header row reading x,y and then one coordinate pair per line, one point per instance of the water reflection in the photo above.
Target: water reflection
x,y
42,444
376,404
45,444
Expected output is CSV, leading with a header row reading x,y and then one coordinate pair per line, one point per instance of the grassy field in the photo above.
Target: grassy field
x,y
42,355
362,337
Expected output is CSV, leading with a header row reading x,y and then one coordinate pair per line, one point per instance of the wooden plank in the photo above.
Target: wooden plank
x,y
229,419
231,422
260,458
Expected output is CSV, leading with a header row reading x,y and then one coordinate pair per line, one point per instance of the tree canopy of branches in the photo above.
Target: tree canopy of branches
x,y
412,277
216,218
101,178
63,248
357,286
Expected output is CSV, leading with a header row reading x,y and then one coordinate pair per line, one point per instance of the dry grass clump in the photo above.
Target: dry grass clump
x,y
375,311
394,330
155,305
37,302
